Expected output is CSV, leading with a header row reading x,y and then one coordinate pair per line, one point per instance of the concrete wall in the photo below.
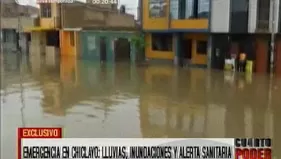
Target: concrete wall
x,y
38,43
85,16
52,54
220,16
13,23
10,44
252,20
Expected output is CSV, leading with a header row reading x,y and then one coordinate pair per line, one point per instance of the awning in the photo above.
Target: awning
x,y
38,29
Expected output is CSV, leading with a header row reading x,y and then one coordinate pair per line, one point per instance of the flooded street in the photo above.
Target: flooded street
x,y
89,99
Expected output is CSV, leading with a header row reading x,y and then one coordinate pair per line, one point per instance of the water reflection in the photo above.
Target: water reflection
x,y
90,99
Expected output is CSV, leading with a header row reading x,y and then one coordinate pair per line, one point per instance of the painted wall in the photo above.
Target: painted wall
x,y
149,53
65,46
90,44
153,23
220,16
190,24
54,21
196,57
261,55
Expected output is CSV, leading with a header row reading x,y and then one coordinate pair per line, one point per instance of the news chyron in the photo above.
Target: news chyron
x,y
48,143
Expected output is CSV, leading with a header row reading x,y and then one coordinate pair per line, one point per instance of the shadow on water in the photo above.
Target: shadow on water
x,y
89,99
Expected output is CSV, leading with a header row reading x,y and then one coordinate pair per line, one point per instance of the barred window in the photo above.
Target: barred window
x,y
46,10
157,8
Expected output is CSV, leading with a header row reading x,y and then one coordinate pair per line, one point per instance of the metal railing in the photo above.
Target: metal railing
x,y
262,26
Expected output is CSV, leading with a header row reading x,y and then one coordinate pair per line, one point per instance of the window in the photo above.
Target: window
x,y
174,9
194,9
263,14
46,10
203,8
202,47
189,9
162,42
71,38
157,8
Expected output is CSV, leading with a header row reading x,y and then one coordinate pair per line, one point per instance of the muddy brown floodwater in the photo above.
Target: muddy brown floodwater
x,y
89,99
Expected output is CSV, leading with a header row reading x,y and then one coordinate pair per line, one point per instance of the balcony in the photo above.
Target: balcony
x,y
189,24
262,26
50,23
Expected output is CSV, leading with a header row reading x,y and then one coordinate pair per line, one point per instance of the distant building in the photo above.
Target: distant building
x,y
14,18
14,10
66,29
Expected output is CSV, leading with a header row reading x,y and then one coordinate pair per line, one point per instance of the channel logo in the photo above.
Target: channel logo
x,y
253,148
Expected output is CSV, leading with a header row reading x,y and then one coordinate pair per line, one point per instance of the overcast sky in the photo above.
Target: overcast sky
x,y
130,4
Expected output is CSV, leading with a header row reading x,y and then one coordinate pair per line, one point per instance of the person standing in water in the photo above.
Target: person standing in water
x,y
242,62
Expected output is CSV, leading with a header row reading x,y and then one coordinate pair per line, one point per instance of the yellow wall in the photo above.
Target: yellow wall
x,y
153,23
197,58
149,53
65,45
190,24
50,22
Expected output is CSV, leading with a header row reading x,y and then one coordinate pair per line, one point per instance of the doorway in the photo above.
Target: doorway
x,y
220,49
103,49
185,52
122,49
53,38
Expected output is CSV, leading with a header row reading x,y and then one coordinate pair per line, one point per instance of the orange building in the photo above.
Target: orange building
x,y
176,30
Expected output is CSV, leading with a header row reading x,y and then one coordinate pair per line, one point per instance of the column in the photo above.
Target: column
x,y
97,51
132,51
278,57
176,41
110,54
209,52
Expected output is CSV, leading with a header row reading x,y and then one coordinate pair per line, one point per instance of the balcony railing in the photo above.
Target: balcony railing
x,y
262,26
52,22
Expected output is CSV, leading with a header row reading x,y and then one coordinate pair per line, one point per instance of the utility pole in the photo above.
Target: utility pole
x,y
273,22
1,30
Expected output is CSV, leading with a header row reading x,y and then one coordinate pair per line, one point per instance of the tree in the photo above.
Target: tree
x,y
139,42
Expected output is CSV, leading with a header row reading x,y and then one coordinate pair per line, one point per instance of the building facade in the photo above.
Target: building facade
x,y
246,26
59,26
14,18
176,30
207,32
